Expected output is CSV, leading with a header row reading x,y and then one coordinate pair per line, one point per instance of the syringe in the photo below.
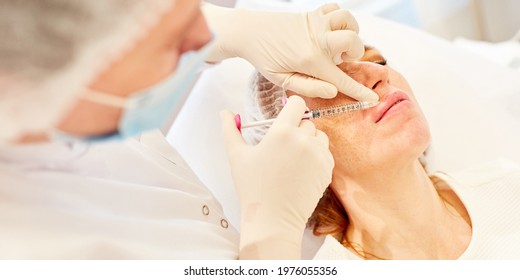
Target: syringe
x,y
316,113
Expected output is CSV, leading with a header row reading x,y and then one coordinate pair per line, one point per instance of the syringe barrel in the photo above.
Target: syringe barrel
x,y
341,109
315,114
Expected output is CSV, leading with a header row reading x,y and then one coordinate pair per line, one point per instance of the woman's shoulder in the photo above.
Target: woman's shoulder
x,y
483,173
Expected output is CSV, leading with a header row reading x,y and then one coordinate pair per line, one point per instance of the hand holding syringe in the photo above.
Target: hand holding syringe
x,y
315,113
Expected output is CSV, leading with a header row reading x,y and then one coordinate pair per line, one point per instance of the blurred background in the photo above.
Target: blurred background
x,y
490,28
488,20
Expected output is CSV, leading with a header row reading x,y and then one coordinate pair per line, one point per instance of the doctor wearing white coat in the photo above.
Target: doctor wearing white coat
x,y
83,85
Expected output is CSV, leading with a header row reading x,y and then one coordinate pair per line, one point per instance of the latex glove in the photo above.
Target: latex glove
x,y
297,51
279,181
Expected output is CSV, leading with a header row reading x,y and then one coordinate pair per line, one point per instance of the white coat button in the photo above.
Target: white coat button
x,y
224,223
205,210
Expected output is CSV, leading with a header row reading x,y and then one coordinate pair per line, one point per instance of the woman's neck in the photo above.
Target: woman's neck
x,y
397,213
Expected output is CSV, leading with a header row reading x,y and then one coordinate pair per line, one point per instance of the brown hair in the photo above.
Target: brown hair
x,y
329,217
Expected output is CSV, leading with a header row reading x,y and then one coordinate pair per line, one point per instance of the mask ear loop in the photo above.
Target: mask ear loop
x,y
105,99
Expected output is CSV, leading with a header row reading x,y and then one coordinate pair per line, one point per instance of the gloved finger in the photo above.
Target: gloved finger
x,y
308,127
322,138
347,85
327,8
291,113
232,135
345,42
309,86
342,20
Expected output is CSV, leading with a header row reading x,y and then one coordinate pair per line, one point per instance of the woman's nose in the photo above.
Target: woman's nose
x,y
369,74
376,75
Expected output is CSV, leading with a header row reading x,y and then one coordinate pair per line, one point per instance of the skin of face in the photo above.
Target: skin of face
x,y
362,142
387,195
153,57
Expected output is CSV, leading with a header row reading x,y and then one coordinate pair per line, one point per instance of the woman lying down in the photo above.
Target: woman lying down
x,y
381,203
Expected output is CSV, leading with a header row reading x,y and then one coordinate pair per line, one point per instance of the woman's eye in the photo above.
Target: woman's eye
x,y
381,62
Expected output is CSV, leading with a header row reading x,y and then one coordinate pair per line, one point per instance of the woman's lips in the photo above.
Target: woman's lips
x,y
388,101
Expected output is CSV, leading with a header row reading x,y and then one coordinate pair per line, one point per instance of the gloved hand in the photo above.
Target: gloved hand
x,y
279,181
297,51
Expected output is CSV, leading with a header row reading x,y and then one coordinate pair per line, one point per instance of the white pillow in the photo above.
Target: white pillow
x,y
471,104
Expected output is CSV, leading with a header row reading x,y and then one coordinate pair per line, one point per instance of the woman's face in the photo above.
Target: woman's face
x,y
391,134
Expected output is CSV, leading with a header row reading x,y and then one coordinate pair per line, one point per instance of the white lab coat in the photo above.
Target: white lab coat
x,y
132,200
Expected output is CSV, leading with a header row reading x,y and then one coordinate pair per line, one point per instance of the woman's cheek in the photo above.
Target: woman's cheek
x,y
397,80
338,130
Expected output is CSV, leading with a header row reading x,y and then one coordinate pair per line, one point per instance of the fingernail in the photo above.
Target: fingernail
x,y
337,59
370,96
373,96
238,122
284,101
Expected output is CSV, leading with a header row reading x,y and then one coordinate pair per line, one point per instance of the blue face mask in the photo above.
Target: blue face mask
x,y
151,108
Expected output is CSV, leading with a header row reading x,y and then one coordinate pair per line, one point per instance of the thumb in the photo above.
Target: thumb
x,y
232,135
348,86
309,86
